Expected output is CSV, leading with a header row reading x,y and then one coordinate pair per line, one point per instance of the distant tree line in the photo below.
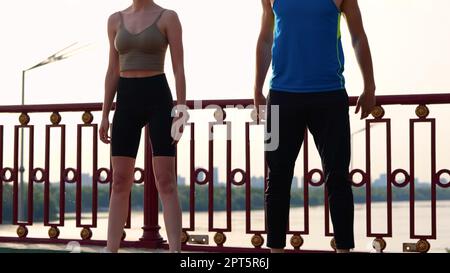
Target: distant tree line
x,y
316,198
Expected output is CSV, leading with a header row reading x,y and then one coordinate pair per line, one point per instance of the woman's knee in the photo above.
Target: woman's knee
x,y
122,182
166,182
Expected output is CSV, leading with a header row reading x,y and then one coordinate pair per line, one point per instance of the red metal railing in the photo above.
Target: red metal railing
x,y
151,237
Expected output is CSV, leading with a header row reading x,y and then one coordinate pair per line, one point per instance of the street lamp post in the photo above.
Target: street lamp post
x,y
63,54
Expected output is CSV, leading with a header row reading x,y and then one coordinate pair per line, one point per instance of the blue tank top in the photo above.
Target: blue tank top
x,y
307,53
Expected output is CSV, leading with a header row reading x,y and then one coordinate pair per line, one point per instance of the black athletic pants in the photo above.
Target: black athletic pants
x,y
326,115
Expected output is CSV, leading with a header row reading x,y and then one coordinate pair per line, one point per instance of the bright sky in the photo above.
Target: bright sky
x,y
409,40
408,37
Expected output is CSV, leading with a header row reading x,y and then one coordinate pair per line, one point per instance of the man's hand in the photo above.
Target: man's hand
x,y
259,100
366,103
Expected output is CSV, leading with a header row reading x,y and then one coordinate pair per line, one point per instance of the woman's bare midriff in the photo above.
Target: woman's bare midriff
x,y
140,73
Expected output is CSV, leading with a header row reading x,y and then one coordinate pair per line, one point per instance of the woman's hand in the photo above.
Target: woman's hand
x,y
178,124
103,131
180,119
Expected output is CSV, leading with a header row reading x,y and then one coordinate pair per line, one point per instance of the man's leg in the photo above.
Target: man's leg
x,y
281,162
328,121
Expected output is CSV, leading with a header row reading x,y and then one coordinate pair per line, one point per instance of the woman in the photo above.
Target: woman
x,y
139,37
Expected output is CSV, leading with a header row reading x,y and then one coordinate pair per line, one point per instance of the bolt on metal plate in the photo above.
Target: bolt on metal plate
x,y
198,239
410,247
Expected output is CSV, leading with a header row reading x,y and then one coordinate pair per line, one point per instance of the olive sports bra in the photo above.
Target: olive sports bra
x,y
145,50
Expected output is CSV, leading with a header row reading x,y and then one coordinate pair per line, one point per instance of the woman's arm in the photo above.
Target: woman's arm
x,y
111,79
174,34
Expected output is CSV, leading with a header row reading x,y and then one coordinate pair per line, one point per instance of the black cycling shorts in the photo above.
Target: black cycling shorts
x,y
140,102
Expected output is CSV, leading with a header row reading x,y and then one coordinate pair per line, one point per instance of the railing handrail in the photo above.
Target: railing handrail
x,y
442,98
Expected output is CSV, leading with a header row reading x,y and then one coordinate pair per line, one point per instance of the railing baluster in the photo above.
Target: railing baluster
x,y
86,233
54,231
94,170
219,114
210,176
228,176
30,178
150,236
422,112
305,185
246,181
192,180
2,174
378,115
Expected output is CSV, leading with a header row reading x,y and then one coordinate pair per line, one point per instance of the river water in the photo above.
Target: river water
x,y
315,240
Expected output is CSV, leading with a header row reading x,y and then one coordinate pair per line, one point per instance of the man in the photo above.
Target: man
x,y
302,38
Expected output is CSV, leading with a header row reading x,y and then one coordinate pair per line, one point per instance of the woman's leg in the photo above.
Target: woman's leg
x,y
166,182
123,176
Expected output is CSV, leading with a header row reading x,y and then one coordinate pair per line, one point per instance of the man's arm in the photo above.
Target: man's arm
x,y
263,51
352,13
